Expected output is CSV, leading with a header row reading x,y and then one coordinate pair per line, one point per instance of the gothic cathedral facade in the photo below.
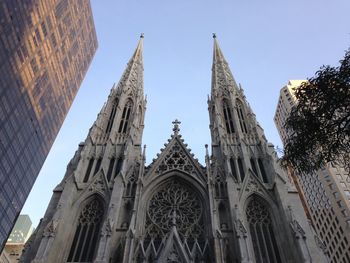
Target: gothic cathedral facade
x,y
112,208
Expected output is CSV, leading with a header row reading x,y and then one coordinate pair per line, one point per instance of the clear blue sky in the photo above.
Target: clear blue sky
x,y
265,42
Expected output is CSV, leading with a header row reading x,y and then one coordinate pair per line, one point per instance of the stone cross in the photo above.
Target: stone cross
x,y
176,128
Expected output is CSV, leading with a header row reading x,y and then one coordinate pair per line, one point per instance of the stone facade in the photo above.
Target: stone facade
x,y
111,207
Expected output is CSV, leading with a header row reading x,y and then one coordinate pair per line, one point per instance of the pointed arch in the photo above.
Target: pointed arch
x,y
130,189
112,116
124,121
262,232
186,195
87,231
241,116
220,185
228,116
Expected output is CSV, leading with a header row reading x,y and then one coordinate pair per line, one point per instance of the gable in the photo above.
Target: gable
x,y
176,156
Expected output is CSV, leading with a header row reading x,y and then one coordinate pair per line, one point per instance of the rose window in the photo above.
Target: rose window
x,y
175,204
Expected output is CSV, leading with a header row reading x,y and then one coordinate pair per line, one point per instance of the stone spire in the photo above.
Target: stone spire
x,y
125,105
222,76
133,74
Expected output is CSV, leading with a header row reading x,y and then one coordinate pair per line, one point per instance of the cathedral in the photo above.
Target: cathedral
x,y
113,208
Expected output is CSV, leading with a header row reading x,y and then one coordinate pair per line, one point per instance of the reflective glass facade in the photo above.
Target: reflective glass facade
x,y
46,47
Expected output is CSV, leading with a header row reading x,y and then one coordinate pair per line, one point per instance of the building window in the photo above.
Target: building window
x,y
228,118
98,165
252,163
262,170
131,186
88,170
87,232
110,169
241,117
111,116
125,117
261,231
240,167
233,168
118,167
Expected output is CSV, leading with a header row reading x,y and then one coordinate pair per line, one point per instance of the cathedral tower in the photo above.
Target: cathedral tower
x,y
110,207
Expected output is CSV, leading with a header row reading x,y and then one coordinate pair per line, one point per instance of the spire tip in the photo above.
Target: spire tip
x,y
214,35
142,35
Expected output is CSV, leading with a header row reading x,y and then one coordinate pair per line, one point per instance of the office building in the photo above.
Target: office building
x,y
45,50
326,193
20,233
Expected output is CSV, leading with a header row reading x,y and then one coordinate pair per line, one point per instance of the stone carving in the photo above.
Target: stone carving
x,y
50,230
257,213
98,185
320,244
91,213
298,231
107,229
173,256
175,204
253,186
176,159
240,229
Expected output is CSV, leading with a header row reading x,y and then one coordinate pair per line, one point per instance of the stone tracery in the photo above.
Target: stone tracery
x,y
176,159
175,200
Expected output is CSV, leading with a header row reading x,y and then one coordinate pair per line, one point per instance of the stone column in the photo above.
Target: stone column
x,y
242,237
299,235
104,248
46,242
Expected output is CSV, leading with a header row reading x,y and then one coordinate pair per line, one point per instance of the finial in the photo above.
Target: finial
x,y
176,128
214,35
142,35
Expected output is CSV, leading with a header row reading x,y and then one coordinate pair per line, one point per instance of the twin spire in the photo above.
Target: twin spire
x,y
222,77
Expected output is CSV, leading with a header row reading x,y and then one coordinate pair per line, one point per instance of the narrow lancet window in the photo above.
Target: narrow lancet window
x,y
125,117
262,170
131,186
86,235
241,170
262,233
118,167
98,165
241,117
112,116
88,170
110,169
252,163
228,118
233,168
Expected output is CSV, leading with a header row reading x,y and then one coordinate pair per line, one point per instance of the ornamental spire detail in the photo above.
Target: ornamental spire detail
x,y
222,77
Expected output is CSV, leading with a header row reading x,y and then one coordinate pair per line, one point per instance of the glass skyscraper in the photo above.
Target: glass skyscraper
x,y
46,47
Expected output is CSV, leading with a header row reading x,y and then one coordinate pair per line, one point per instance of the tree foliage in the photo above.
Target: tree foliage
x,y
319,125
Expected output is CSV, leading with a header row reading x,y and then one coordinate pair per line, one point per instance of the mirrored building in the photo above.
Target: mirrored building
x,y
45,50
